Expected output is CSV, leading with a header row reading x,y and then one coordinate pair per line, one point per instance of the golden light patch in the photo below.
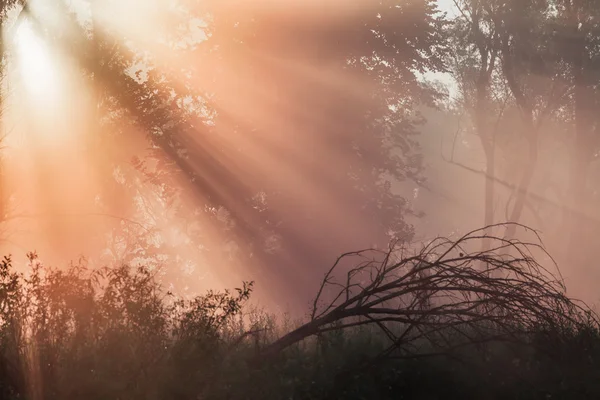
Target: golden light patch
x,y
35,64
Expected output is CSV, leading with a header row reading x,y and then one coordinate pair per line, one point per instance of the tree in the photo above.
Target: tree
x,y
438,294
329,97
340,130
535,79
329,103
510,71
576,28
474,62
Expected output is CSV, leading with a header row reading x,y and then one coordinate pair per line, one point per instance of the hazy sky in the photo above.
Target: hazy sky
x,y
447,6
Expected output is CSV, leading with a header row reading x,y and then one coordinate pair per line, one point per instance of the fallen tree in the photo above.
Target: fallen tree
x,y
442,296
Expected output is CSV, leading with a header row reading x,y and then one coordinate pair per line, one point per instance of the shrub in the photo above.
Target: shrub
x,y
430,325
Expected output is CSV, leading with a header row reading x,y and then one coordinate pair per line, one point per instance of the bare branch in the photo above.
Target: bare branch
x,y
440,295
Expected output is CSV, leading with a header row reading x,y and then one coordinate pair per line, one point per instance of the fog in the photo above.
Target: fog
x,y
225,141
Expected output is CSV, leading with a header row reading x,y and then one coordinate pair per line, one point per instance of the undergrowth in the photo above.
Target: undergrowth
x,y
115,334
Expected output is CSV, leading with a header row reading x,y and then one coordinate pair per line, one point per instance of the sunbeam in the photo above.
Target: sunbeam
x,y
291,118
38,70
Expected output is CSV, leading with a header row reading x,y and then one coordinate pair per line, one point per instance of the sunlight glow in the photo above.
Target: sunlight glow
x,y
35,64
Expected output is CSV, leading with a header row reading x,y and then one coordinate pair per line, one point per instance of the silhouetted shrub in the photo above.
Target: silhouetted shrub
x,y
114,333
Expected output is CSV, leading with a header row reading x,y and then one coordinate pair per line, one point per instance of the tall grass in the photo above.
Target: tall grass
x,y
115,333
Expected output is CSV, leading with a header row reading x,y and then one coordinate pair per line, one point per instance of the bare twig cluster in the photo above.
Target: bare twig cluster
x,y
440,297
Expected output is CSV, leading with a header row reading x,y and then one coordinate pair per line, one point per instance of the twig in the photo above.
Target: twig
x,y
439,295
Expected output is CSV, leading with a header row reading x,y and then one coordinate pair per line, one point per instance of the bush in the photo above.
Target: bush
x,y
115,334
111,333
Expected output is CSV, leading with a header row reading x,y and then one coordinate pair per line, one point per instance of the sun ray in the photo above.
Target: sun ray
x,y
36,67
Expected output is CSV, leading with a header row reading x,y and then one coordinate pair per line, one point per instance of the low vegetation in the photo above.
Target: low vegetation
x,y
445,321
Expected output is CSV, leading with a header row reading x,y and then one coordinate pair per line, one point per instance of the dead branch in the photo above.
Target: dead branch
x,y
439,295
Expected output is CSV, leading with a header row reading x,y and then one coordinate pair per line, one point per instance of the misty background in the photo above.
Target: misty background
x,y
221,141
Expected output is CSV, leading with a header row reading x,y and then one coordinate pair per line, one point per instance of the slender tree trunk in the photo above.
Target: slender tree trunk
x,y
525,182
490,189
531,128
487,142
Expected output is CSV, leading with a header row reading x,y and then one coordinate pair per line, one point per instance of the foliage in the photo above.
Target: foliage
x,y
114,333
527,75
343,88
104,333
354,136
333,98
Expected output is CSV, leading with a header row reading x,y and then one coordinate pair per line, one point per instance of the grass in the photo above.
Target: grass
x,y
115,334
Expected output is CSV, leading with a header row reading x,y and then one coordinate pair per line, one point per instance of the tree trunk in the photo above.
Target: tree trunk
x,y
524,184
487,140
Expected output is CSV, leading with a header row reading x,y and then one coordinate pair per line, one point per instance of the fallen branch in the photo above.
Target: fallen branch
x,y
440,296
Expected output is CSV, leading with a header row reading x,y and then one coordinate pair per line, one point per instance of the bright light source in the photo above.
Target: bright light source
x,y
35,63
